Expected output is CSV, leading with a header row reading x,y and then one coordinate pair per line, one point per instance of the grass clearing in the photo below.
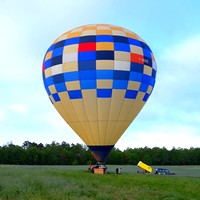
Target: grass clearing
x,y
75,182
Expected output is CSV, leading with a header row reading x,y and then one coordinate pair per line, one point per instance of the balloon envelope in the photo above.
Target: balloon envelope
x,y
99,77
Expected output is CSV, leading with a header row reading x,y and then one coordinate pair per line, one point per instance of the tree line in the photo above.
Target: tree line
x,y
31,153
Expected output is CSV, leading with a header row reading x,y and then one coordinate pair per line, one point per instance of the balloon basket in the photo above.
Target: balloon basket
x,y
98,169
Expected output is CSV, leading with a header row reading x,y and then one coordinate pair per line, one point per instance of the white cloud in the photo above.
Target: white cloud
x,y
178,65
185,52
176,88
2,115
168,136
16,61
19,108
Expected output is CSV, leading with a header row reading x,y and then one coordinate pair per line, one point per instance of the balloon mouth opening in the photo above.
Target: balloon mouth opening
x,y
100,152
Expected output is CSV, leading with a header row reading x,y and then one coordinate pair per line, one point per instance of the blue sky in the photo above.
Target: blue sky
x,y
170,118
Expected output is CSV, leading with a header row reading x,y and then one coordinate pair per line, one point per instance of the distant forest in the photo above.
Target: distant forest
x,y
31,153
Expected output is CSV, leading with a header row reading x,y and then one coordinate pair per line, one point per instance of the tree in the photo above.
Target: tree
x,y
31,153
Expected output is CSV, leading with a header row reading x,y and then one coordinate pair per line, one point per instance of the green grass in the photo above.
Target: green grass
x,y
75,182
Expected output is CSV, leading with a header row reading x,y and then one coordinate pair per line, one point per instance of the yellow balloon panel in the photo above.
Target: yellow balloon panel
x,y
83,131
116,104
90,104
119,129
103,109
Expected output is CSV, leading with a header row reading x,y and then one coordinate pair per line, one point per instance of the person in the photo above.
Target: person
x,y
91,168
117,170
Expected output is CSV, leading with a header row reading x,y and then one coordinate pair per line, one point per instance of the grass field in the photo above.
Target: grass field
x,y
75,182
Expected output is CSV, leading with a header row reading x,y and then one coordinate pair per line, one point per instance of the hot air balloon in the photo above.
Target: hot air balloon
x,y
98,77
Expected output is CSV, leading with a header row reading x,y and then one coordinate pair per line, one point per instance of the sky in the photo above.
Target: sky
x,y
170,118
